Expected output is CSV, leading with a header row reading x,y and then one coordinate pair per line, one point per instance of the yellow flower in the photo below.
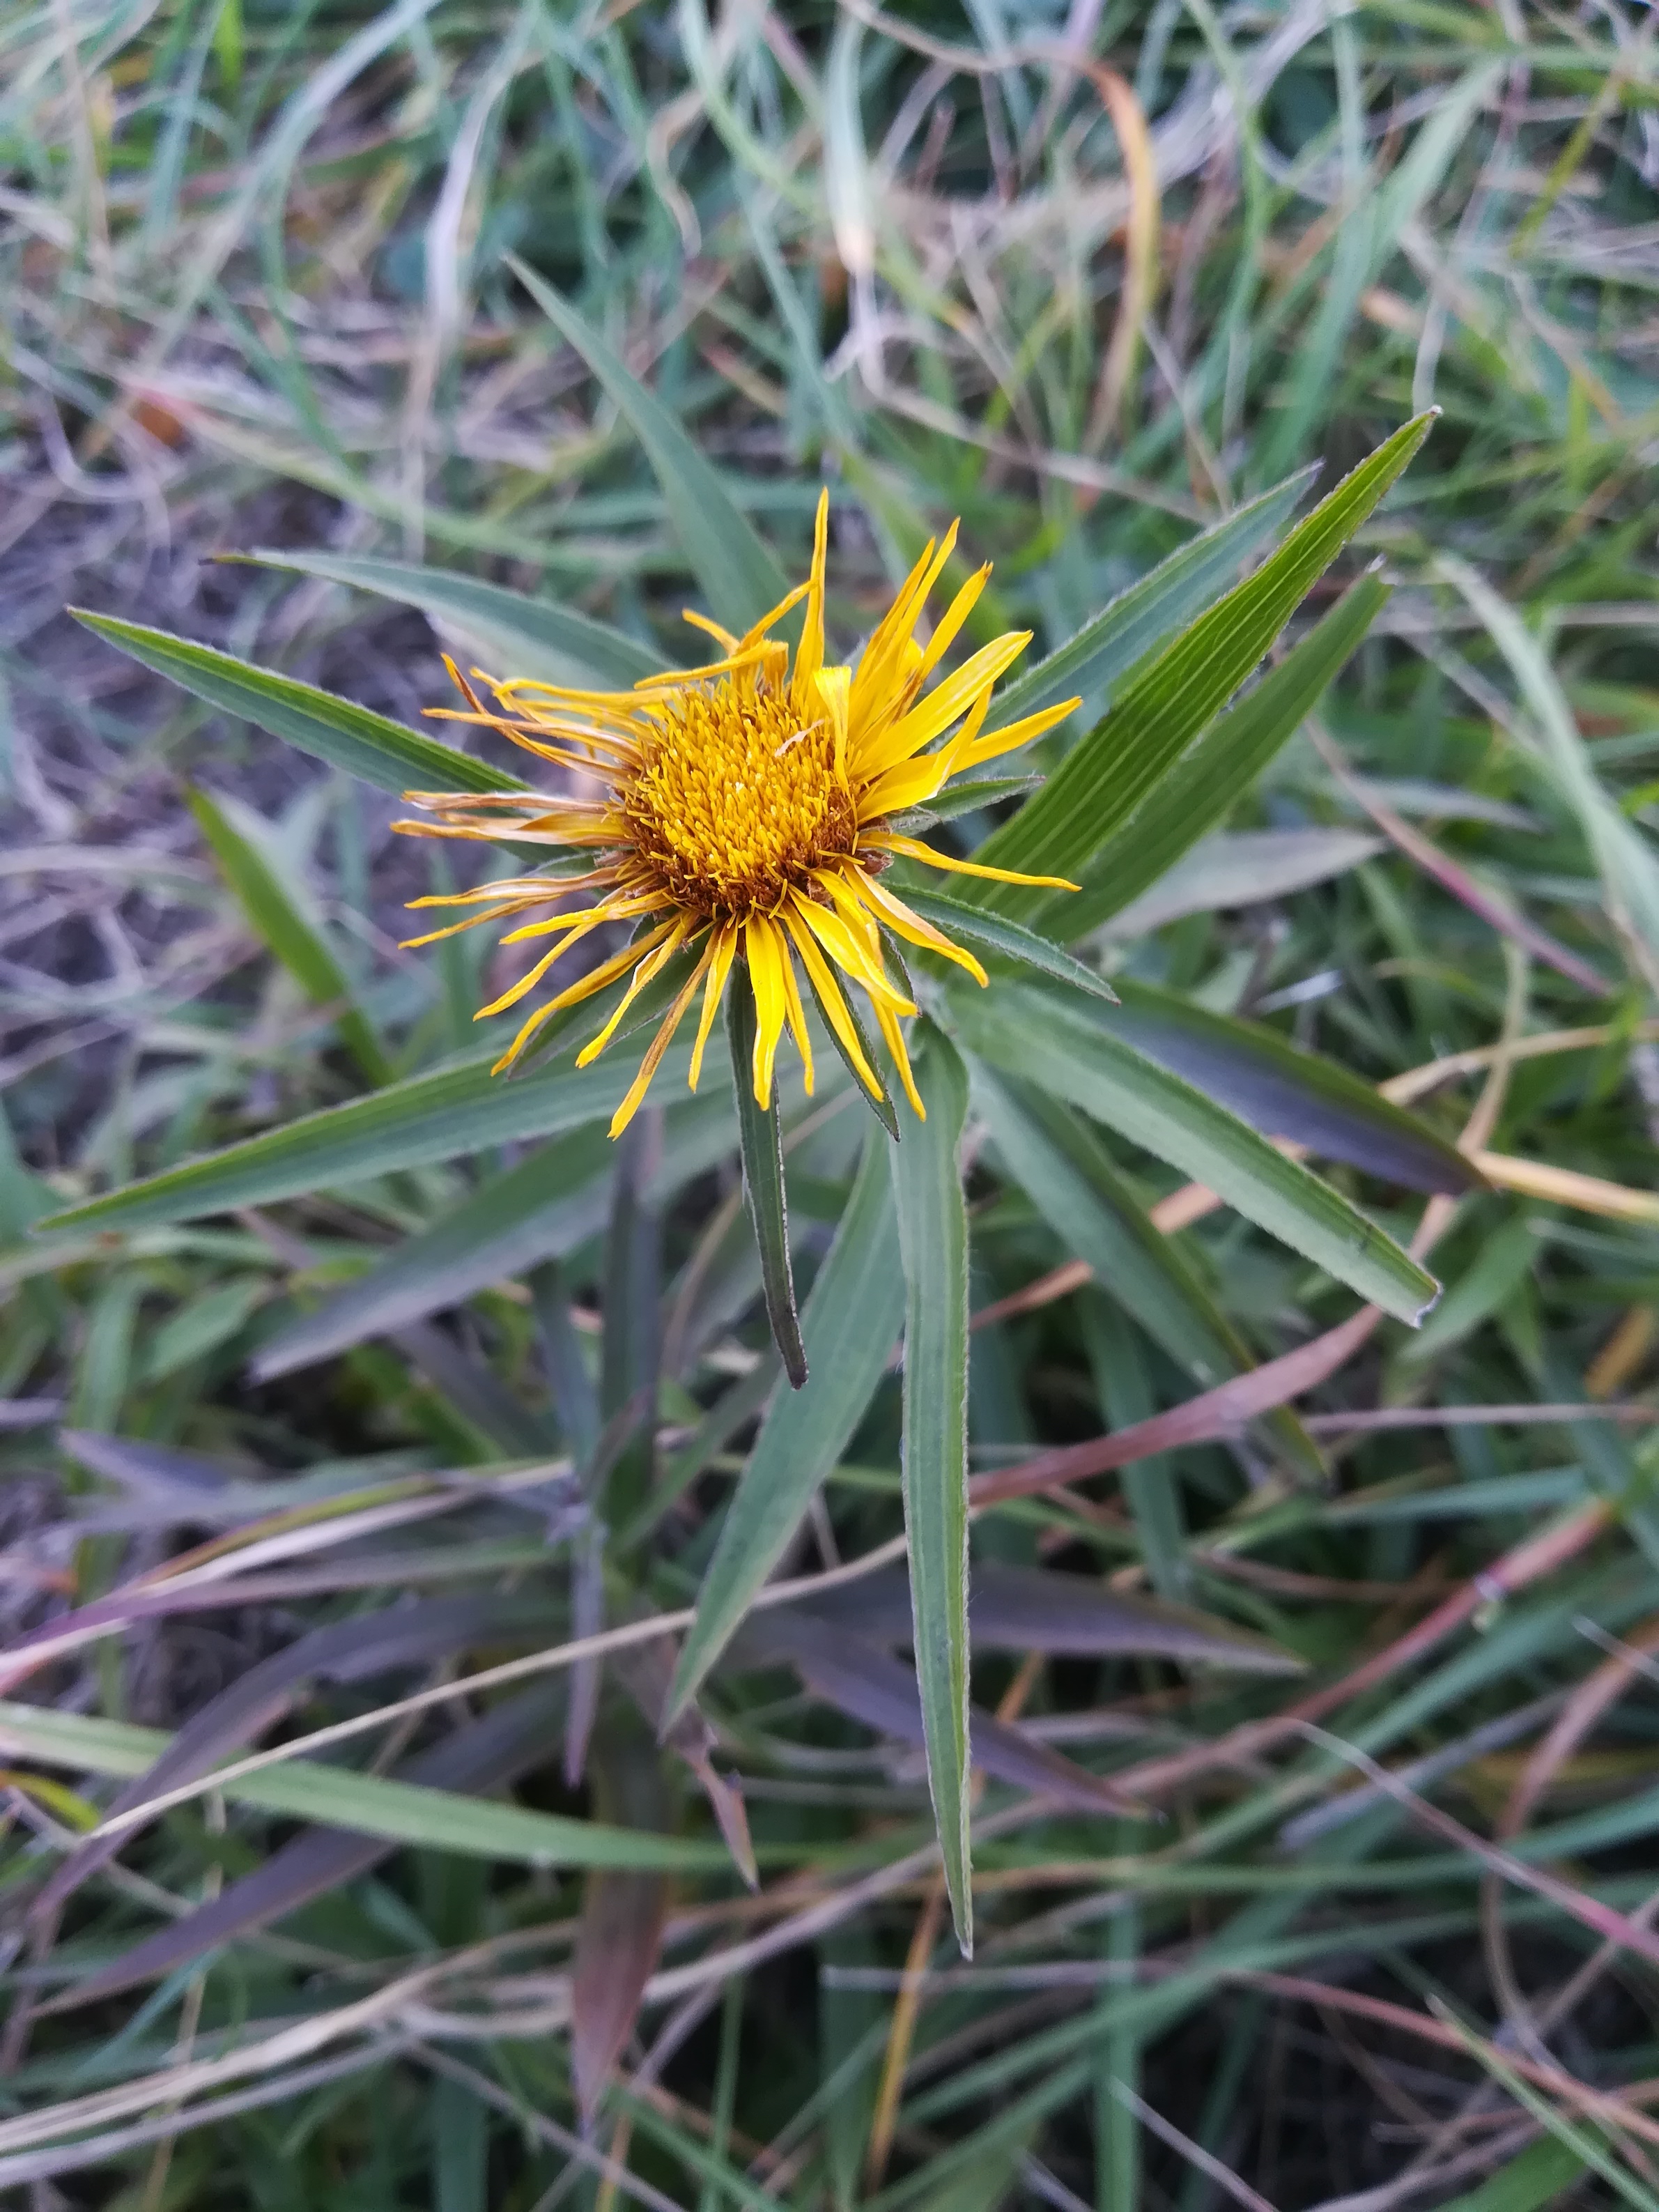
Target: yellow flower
x,y
746,811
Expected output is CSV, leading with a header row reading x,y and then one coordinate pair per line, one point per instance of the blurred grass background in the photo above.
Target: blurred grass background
x,y
1088,276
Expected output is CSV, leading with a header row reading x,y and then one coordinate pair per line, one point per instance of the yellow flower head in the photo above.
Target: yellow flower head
x,y
746,812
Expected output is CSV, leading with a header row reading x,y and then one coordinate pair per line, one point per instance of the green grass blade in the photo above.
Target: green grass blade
x,y
527,636
1219,768
1032,1033
739,578
1623,857
291,934
371,1804
1534,2178
932,1219
850,1324
760,1133
365,744
1139,619
1111,771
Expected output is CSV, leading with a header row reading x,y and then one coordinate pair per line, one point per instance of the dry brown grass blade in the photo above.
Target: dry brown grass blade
x,y
1140,264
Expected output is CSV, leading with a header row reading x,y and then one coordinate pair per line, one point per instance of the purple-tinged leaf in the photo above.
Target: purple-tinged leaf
x,y
1284,1091
870,1685
1030,1609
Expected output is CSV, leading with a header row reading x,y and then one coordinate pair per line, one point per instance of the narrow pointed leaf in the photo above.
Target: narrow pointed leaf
x,y
1014,1609
739,578
850,1324
932,1218
291,934
1286,1091
1109,773
847,1671
1066,1173
453,1110
1032,1033
760,1132
1139,619
369,746
541,1209
1235,868
994,934
1220,768
526,637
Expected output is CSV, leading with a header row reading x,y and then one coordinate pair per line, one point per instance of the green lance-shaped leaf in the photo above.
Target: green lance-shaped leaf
x,y
1139,619
1286,1091
1065,1171
373,1804
277,917
760,1134
368,745
523,636
850,1324
1109,773
1030,1032
437,1117
739,578
1009,940
1219,768
932,1218
539,1210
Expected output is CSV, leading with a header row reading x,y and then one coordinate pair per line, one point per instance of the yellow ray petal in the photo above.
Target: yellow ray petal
x,y
434,936
829,991
912,783
887,841
895,1036
793,599
952,619
722,944
841,934
911,926
519,890
585,927
766,953
678,679
995,743
941,707
878,674
831,685
583,987
722,637
796,1012
620,907
659,1043
649,968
